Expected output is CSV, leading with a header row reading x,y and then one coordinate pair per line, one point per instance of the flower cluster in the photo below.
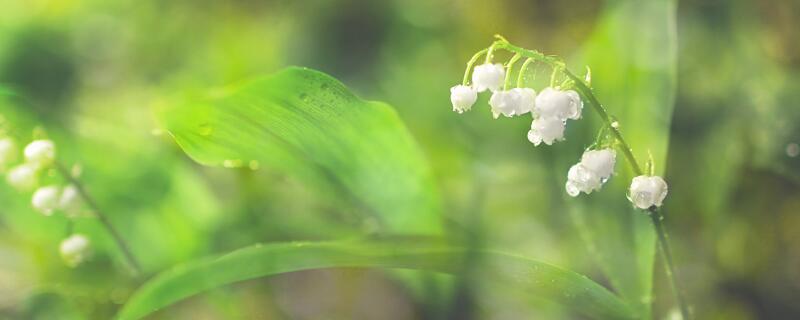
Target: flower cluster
x,y
39,157
550,110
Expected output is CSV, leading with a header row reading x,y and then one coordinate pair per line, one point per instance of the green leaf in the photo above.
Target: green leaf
x,y
633,58
309,125
537,279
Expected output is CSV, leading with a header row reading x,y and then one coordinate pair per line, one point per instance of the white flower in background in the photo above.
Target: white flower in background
x,y
526,97
45,199
592,172
488,76
647,191
41,152
8,152
554,103
23,177
547,130
75,249
70,201
462,97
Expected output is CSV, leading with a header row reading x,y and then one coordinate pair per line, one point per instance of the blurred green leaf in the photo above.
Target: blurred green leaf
x,y
309,125
633,59
537,279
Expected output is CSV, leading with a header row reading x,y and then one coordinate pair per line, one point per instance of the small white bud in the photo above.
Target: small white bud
x,y
488,76
75,249
45,199
526,98
70,201
41,152
581,179
503,102
547,130
8,153
554,103
23,177
647,191
601,162
462,97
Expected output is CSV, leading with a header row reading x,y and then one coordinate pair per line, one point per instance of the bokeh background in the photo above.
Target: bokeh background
x,y
90,72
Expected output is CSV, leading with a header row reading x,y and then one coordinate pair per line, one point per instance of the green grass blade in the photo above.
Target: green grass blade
x,y
538,279
309,125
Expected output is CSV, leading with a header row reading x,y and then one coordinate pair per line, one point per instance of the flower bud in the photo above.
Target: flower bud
x,y
503,102
75,249
647,191
45,199
554,103
601,162
462,97
488,76
8,153
526,98
581,179
70,201
23,177
41,152
547,130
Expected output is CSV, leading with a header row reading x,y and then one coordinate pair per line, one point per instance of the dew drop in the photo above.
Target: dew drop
x,y
615,124
205,129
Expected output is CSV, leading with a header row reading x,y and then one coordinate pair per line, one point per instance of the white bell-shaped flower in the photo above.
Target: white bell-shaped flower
x,y
554,103
647,191
23,177
488,76
45,199
462,97
75,249
8,153
503,102
41,152
547,130
526,97
581,179
70,201
601,162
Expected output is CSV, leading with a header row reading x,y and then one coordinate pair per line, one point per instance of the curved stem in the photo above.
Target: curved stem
x,y
583,89
522,70
123,246
472,63
510,68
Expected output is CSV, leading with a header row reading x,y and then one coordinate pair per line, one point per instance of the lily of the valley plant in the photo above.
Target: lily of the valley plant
x,y
550,110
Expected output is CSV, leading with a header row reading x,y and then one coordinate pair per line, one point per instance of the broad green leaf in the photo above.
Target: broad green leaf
x,y
632,55
309,125
537,279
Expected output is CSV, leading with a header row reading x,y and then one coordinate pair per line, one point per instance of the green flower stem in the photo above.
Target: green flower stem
x,y
472,63
522,70
123,246
586,92
510,67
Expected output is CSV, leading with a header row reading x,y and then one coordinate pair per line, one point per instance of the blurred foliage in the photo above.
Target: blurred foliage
x,y
90,72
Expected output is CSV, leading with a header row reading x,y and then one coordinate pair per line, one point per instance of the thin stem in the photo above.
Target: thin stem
x,y
510,68
666,253
583,89
522,72
472,63
123,246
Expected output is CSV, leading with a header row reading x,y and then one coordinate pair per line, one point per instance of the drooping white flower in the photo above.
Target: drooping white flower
x,y
75,249
588,175
23,177
647,191
8,153
554,103
503,102
70,201
488,76
41,152
526,97
547,130
462,97
45,199
581,179
601,162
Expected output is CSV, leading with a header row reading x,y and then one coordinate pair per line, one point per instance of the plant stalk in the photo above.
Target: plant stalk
x,y
654,214
123,246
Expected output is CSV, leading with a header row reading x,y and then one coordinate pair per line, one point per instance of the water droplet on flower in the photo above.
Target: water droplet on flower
x,y
615,124
792,150
205,129
232,163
